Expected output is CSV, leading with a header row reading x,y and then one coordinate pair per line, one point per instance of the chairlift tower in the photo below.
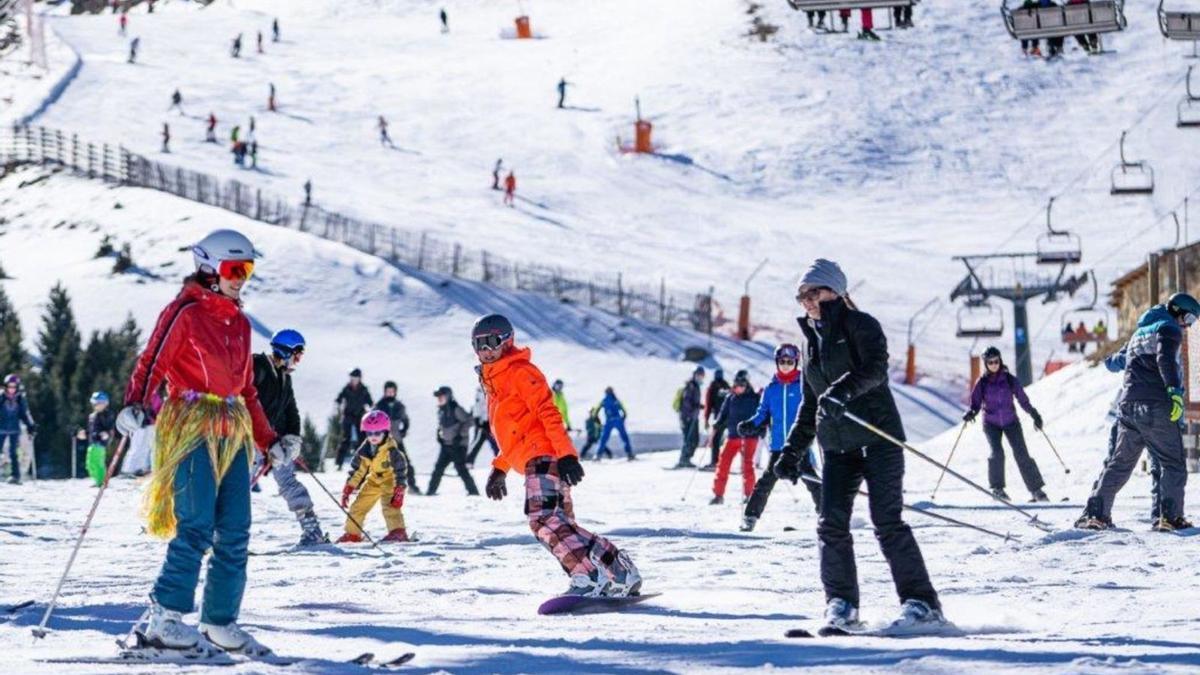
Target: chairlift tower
x,y
1019,291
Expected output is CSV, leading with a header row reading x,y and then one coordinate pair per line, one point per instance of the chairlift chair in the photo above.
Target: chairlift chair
x,y
1089,316
834,5
1058,247
1189,108
980,320
1053,21
1131,178
1180,25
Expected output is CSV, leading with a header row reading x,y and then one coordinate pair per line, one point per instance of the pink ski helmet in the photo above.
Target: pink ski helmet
x,y
375,421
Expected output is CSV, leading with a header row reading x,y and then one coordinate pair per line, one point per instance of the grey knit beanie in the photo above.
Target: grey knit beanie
x,y
823,273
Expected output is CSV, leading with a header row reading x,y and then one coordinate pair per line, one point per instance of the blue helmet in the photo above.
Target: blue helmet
x,y
1182,305
287,342
787,350
98,397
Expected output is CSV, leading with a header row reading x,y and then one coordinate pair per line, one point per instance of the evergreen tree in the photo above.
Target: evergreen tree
x,y
12,355
54,401
312,444
333,436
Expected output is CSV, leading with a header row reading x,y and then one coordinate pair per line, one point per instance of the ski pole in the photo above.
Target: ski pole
x,y
948,460
931,514
40,630
1033,519
689,484
1055,450
33,456
304,465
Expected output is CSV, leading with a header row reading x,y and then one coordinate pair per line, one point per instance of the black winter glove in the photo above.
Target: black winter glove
x,y
570,471
969,416
832,404
788,466
745,428
1037,420
495,488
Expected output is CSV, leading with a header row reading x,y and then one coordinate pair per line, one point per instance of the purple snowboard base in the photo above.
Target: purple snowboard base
x,y
575,604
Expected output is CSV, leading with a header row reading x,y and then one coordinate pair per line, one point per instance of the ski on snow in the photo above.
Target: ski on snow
x,y
863,630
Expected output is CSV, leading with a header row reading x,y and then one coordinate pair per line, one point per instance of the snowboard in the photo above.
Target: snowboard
x,y
578,604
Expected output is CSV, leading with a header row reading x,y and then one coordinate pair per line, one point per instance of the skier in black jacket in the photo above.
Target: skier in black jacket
x,y
847,369
399,415
714,397
454,432
273,380
353,402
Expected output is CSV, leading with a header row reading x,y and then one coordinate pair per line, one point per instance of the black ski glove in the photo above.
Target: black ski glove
x,y
788,466
832,404
495,488
1037,420
969,416
746,428
570,471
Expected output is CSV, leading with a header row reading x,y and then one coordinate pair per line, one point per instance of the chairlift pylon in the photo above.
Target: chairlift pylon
x,y
1056,247
980,319
1188,110
1131,178
1180,25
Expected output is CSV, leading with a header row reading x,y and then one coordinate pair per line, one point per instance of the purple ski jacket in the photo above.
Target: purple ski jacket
x,y
994,393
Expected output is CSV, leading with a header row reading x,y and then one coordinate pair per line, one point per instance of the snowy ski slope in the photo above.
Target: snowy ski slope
x,y
889,157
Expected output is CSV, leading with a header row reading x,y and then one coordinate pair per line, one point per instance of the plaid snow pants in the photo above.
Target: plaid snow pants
x,y
552,519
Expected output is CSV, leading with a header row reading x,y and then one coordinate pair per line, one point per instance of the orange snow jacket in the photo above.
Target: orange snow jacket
x,y
525,422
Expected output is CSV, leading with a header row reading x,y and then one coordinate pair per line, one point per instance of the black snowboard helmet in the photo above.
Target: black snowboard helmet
x,y
491,331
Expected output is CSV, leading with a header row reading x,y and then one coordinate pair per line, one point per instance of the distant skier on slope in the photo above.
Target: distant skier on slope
x,y
847,369
133,49
384,138
1150,408
353,401
738,407
714,398
534,442
994,392
100,425
562,92
778,408
453,434
273,380
689,418
496,174
379,473
122,23
166,137
260,42
14,412
445,20
236,49
614,420
271,97
176,102
275,30
207,430
510,188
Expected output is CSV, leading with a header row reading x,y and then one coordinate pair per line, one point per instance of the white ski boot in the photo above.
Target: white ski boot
x,y
841,618
310,527
748,524
165,629
233,639
588,585
918,618
626,580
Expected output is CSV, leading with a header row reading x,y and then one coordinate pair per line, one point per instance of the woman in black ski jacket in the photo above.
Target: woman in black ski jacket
x,y
847,370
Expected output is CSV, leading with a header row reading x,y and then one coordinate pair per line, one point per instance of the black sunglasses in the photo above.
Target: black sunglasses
x,y
992,362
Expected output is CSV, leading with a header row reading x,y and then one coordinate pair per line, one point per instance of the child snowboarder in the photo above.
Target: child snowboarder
x,y
534,442
739,407
99,431
379,473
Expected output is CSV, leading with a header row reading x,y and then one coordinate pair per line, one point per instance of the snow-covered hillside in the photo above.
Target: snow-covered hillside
x,y
889,157
465,597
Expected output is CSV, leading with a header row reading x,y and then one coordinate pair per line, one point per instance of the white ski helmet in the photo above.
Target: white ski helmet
x,y
219,246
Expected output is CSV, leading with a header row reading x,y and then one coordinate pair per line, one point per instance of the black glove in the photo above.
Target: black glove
x,y
788,466
832,404
1037,420
745,428
969,416
570,471
495,488
32,429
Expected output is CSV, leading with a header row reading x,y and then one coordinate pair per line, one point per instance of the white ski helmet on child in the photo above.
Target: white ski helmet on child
x,y
219,246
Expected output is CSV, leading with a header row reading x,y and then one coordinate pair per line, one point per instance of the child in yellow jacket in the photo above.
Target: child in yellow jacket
x,y
379,472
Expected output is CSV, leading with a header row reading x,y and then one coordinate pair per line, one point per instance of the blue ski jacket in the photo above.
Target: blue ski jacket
x,y
779,404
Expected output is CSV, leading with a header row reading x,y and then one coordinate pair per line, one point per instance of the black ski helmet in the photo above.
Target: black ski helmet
x,y
741,377
992,353
1182,304
491,330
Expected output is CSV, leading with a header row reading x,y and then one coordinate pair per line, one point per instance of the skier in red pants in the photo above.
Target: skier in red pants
x,y
739,406
510,188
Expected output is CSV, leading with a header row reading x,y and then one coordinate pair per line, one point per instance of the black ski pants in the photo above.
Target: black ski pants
x,y
1142,426
1016,439
766,483
456,455
882,467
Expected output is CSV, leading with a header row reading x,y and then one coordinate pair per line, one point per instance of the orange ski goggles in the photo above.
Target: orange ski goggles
x,y
236,269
